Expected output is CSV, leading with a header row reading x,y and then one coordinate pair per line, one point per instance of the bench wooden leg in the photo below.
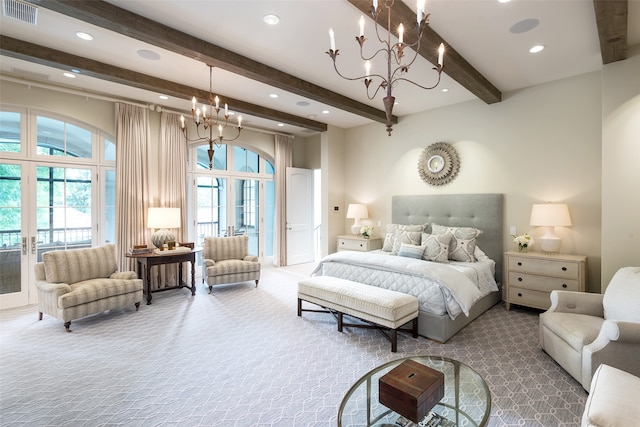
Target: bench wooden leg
x,y
394,340
339,322
414,329
299,307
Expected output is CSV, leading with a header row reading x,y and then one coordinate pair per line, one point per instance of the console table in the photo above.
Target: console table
x,y
167,257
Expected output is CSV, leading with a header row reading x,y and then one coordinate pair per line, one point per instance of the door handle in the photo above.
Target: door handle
x,y
24,246
33,245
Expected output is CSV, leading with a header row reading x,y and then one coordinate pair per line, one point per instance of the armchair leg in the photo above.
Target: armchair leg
x,y
137,305
67,325
210,288
40,316
256,283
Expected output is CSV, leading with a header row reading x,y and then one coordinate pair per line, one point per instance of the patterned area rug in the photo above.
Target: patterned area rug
x,y
242,357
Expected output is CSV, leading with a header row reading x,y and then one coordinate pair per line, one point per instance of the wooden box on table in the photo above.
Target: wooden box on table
x,y
411,389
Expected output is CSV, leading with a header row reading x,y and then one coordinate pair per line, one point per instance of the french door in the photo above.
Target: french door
x,y
43,206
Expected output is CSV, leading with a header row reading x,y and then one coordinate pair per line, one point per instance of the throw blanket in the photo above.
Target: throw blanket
x,y
457,290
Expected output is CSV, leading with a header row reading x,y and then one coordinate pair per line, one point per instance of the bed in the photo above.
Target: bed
x,y
447,298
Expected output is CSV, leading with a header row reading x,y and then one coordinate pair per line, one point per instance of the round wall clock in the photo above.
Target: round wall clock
x,y
439,164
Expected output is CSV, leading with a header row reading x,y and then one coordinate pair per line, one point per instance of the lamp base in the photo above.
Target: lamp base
x,y
550,245
161,237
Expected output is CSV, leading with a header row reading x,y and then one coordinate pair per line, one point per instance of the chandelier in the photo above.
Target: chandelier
x,y
395,53
207,119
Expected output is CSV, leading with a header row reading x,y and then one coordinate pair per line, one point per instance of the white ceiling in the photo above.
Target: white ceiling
x,y
478,29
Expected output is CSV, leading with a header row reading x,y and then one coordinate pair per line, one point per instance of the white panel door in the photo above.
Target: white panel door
x,y
299,216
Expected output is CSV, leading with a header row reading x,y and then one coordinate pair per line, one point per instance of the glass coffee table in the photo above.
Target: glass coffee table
x,y
466,401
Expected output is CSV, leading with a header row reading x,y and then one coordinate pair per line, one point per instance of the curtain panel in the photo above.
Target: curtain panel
x,y
283,159
132,184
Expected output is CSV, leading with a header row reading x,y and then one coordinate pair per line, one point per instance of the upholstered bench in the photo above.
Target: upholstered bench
x,y
379,308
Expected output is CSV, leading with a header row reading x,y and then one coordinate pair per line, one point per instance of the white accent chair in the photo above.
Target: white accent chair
x,y
581,331
227,260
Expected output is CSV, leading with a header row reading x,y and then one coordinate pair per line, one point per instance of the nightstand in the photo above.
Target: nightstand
x,y
531,276
357,243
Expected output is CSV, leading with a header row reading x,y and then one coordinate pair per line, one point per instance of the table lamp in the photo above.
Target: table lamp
x,y
357,212
161,219
550,215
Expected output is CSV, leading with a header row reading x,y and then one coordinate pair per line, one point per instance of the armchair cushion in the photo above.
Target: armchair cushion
x,y
612,399
622,296
577,330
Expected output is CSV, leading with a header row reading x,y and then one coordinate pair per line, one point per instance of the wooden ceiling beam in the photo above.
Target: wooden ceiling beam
x,y
611,19
119,20
54,58
455,66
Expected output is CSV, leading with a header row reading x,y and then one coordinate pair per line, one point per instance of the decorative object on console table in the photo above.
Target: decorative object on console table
x,y
356,243
357,212
161,219
530,277
550,215
411,389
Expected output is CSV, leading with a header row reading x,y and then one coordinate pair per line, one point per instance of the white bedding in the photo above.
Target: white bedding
x,y
440,288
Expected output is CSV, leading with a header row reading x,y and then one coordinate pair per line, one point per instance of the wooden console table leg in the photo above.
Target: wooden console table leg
x,y
193,277
148,284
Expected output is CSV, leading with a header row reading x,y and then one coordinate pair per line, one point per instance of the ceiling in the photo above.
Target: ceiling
x,y
135,59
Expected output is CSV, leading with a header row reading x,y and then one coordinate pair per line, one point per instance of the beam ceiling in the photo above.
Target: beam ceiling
x,y
119,20
455,66
54,58
611,18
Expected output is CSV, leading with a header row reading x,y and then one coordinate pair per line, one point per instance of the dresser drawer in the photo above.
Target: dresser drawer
x,y
529,298
556,268
542,283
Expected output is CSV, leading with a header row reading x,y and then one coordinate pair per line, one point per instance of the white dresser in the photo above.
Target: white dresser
x,y
531,276
357,243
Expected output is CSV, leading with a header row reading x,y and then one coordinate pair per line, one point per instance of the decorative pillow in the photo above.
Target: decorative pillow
x,y
404,236
479,254
390,236
411,251
436,247
463,244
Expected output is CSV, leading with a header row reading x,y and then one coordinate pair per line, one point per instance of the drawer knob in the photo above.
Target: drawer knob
x,y
519,263
519,279
361,245
519,294
564,268
564,285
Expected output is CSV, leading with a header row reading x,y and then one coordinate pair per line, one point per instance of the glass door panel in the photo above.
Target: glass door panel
x,y
10,228
211,214
247,212
63,208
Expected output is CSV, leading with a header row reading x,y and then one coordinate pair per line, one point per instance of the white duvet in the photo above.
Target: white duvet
x,y
441,288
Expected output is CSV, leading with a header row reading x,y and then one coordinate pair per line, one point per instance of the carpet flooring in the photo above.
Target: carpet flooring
x,y
242,357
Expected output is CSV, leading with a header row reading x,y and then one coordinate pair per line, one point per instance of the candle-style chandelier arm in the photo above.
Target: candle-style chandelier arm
x,y
400,79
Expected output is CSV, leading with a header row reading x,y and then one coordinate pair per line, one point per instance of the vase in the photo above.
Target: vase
x,y
523,248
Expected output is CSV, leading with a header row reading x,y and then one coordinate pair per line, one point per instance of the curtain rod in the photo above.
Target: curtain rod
x,y
152,107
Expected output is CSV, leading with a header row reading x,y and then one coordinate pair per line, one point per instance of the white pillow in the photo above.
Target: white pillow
x,y
395,231
410,251
463,244
436,247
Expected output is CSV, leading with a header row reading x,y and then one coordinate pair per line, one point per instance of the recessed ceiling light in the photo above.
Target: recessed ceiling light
x,y
84,36
70,75
537,48
311,116
325,111
280,124
445,90
232,113
273,95
271,19
163,97
504,1
149,54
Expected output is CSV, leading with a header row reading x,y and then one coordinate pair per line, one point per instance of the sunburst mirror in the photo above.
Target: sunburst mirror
x,y
439,164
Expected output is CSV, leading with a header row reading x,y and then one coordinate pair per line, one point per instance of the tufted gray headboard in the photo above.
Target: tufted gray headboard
x,y
482,211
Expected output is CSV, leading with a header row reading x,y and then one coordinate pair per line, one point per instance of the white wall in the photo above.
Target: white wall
x,y
620,157
539,144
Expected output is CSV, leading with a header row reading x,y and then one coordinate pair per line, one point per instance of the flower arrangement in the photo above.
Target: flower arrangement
x,y
366,231
523,241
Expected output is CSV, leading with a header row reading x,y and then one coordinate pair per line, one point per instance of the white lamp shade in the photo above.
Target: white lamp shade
x,y
163,218
550,215
357,211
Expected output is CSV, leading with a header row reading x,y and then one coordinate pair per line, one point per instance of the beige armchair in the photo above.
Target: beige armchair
x,y
581,331
227,260
80,282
